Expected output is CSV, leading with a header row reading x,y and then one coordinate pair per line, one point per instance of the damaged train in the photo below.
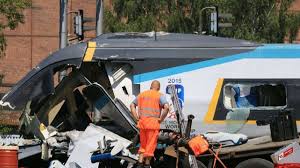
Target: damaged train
x,y
218,80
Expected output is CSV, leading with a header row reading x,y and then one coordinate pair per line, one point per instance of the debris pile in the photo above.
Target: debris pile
x,y
91,147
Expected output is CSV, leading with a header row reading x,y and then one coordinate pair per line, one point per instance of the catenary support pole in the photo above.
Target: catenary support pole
x,y
63,25
63,29
99,17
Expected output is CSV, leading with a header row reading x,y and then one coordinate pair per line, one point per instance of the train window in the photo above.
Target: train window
x,y
254,95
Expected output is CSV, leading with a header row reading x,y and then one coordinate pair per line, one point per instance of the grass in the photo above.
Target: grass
x,y
8,129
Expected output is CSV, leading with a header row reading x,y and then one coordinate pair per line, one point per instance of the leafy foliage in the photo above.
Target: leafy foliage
x,y
257,20
8,129
11,14
293,23
260,20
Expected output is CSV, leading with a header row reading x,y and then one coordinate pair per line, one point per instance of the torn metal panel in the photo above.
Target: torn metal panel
x,y
30,124
53,112
120,78
27,151
89,142
63,92
74,137
114,117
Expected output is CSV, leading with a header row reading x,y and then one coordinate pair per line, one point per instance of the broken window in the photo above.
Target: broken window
x,y
109,114
35,90
37,85
254,95
240,98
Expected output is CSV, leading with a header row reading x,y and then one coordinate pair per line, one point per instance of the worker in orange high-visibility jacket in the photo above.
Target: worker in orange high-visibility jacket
x,y
152,110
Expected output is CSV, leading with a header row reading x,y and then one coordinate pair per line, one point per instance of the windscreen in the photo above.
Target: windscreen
x,y
35,90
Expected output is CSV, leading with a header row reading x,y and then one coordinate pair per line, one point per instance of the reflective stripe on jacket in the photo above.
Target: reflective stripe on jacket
x,y
148,104
148,123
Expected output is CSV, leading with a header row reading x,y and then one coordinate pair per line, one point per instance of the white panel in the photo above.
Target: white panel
x,y
119,78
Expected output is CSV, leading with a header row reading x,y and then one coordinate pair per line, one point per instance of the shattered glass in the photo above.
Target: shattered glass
x,y
236,118
240,98
35,86
35,90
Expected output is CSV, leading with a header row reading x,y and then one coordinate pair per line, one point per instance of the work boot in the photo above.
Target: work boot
x,y
147,166
139,165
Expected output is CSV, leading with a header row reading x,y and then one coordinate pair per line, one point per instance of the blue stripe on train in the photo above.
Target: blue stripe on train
x,y
265,51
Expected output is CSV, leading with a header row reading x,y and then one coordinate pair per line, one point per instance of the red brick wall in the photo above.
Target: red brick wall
x,y
9,118
295,6
34,40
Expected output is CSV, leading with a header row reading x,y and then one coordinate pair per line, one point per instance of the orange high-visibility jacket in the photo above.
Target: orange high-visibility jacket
x,y
148,104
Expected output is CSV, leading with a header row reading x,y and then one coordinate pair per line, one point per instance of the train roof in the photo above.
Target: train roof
x,y
140,46
167,40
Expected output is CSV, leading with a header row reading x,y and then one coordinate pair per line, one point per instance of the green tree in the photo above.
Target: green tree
x,y
293,23
11,14
258,20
